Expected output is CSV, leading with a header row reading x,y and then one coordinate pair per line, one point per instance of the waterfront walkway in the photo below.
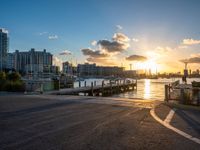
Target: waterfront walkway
x,y
81,123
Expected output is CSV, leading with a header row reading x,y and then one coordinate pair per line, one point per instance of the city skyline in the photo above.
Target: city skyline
x,y
108,33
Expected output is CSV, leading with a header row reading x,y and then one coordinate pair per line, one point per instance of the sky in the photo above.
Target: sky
x,y
148,34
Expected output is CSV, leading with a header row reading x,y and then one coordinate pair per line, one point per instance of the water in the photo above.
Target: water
x,y
149,89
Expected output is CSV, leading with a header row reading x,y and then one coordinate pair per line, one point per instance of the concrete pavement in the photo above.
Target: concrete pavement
x,y
184,118
74,122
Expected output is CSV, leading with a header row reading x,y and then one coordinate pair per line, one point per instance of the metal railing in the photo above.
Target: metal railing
x,y
183,93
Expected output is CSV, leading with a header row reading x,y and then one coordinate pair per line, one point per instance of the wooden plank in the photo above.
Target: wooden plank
x,y
71,91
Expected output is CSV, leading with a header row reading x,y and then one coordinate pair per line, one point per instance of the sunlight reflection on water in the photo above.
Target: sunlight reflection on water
x,y
147,88
150,89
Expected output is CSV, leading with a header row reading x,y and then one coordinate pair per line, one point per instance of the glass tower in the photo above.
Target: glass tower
x,y
3,48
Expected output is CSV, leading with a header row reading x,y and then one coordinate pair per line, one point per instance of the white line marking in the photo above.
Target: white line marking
x,y
170,116
152,112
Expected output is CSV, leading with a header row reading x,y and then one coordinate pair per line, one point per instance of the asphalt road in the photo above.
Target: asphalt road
x,y
83,123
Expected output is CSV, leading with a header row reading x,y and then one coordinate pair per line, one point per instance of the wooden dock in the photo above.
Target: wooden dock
x,y
99,90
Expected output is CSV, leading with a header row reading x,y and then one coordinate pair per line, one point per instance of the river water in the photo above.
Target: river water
x,y
147,89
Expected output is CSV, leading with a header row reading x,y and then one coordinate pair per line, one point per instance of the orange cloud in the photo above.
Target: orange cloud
x,y
191,42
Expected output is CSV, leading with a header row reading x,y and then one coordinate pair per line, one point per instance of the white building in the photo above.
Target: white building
x,y
32,61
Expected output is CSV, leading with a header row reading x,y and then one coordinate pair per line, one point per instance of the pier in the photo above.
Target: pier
x,y
113,87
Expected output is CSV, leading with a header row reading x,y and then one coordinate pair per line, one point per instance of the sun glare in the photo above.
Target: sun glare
x,y
149,65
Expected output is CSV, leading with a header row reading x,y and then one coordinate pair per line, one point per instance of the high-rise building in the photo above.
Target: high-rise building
x,y
67,68
3,48
93,70
86,69
10,61
32,61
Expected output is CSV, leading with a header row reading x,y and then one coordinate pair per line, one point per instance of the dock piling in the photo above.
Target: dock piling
x,y
166,93
79,83
102,88
136,84
92,90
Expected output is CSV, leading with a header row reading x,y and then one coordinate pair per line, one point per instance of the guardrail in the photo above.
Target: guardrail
x,y
183,93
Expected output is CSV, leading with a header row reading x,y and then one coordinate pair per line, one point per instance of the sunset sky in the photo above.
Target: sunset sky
x,y
153,34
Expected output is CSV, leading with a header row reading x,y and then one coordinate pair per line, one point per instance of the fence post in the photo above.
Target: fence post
x,y
136,84
102,83
102,88
92,88
41,88
110,87
85,83
79,83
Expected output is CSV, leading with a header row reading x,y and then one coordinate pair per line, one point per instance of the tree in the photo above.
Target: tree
x,y
14,76
11,82
2,80
2,76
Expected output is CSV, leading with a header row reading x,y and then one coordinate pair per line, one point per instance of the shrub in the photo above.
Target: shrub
x,y
17,86
11,82
2,80
14,76
2,76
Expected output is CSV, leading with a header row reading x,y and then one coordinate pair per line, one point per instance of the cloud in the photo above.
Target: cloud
x,y
136,58
53,37
120,37
135,40
94,43
4,30
42,33
119,43
195,58
119,27
163,49
182,46
107,49
191,42
65,52
191,60
93,53
113,46
195,55
57,61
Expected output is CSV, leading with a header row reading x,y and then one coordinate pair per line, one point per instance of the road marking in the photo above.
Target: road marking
x,y
167,125
170,116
